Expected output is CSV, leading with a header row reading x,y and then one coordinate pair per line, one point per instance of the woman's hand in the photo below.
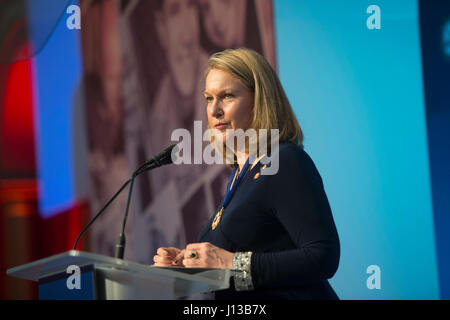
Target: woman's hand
x,y
168,256
207,256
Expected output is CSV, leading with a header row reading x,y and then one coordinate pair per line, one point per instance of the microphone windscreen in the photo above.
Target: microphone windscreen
x,y
169,155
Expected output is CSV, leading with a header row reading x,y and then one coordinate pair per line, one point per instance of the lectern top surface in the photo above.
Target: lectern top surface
x,y
59,263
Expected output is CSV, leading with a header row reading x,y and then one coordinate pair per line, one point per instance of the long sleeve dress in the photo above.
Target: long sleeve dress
x,y
286,222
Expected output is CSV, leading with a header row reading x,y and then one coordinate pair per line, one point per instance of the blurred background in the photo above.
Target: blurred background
x,y
91,89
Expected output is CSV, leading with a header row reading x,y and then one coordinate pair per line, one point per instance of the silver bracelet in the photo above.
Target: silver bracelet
x,y
243,280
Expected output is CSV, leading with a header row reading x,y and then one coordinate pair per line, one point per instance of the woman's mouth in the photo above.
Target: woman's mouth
x,y
221,125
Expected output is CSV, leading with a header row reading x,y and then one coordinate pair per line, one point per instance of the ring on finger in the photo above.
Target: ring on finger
x,y
193,254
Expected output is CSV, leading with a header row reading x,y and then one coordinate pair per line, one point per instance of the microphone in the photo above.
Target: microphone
x,y
163,158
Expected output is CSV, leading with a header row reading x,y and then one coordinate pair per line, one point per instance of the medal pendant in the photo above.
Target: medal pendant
x,y
217,219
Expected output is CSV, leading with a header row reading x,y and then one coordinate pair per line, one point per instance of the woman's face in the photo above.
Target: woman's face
x,y
229,102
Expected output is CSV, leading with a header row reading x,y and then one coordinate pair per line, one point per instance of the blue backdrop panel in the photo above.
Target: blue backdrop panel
x,y
358,96
435,35
58,71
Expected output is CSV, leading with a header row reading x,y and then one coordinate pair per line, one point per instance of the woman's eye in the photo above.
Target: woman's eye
x,y
228,96
208,99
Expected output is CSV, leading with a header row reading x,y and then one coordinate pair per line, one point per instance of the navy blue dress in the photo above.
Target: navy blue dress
x,y
286,221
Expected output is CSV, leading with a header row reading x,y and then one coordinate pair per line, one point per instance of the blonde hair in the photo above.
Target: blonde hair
x,y
271,109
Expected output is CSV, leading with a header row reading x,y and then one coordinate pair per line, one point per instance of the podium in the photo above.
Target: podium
x,y
87,276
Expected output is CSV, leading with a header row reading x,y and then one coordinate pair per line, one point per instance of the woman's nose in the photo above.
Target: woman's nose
x,y
216,109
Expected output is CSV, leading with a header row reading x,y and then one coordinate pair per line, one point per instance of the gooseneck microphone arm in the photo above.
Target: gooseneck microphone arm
x,y
120,244
100,213
159,160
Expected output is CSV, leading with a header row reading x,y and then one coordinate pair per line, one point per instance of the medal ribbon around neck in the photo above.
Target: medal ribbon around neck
x,y
230,191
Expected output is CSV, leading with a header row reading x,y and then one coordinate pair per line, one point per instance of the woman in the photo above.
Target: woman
x,y
277,228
